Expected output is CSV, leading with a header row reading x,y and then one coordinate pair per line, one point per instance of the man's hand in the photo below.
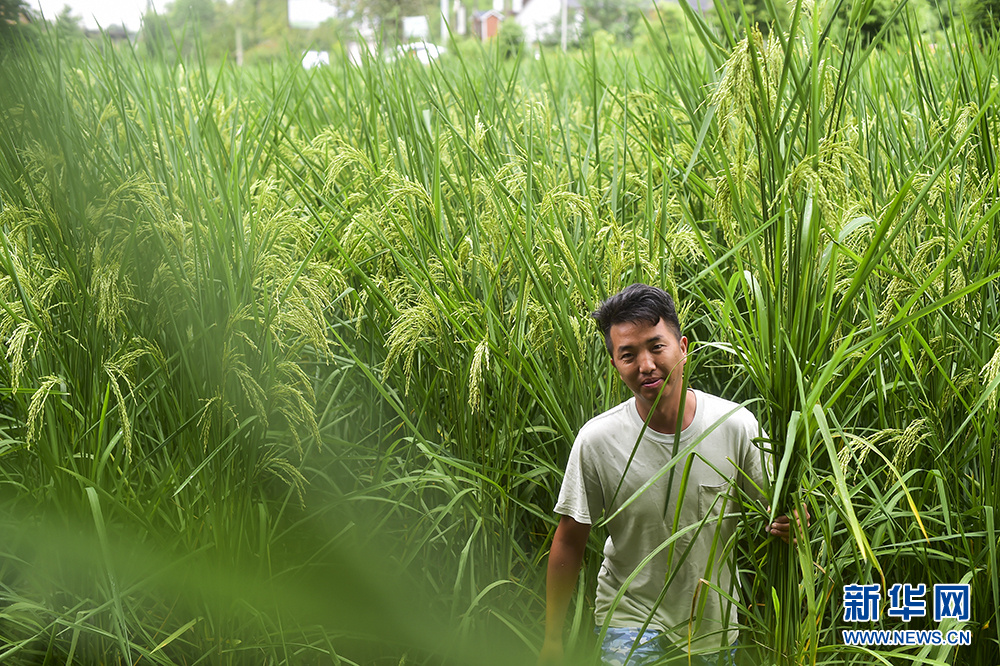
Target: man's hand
x,y
782,525
551,654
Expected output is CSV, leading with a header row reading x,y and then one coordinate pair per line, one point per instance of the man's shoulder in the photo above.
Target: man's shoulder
x,y
732,413
610,422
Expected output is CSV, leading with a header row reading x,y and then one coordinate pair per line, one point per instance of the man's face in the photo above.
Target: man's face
x,y
648,356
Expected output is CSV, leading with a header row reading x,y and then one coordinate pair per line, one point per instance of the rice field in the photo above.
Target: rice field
x,y
293,359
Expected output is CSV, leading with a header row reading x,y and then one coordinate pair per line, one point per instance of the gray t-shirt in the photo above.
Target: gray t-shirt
x,y
719,449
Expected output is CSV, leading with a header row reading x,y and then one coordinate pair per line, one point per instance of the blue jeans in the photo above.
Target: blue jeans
x,y
653,648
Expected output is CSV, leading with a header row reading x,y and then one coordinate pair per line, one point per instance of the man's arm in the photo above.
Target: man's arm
x,y
565,560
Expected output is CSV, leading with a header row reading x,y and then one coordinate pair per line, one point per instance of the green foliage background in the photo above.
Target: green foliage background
x,y
293,359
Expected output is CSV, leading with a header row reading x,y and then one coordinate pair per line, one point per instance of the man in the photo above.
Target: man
x,y
671,515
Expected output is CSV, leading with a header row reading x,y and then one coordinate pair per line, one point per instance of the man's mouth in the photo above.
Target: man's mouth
x,y
653,382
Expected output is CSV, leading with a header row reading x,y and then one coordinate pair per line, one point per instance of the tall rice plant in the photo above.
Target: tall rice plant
x,y
209,271
823,277
160,303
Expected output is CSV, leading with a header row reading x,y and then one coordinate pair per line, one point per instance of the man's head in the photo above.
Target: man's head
x,y
634,304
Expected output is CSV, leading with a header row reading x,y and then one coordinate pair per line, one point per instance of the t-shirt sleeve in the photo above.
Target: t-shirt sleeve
x,y
580,496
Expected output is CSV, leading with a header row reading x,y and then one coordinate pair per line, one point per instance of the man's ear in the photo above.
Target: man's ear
x,y
683,343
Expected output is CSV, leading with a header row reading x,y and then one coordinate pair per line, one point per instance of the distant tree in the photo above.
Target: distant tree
x,y
269,20
881,12
756,11
882,15
155,35
11,12
190,23
510,39
263,26
620,18
667,23
943,12
983,14
183,23
199,13
388,15
330,34
67,25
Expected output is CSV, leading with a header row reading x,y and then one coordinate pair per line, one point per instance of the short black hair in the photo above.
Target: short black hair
x,y
636,303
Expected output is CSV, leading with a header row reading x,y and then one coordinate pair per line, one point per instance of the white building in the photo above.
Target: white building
x,y
541,19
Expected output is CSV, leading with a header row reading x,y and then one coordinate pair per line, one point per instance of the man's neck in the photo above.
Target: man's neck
x,y
664,417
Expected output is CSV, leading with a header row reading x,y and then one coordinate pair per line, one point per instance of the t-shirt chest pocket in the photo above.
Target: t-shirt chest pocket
x,y
713,500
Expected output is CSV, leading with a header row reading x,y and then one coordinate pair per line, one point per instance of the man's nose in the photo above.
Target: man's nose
x,y
646,362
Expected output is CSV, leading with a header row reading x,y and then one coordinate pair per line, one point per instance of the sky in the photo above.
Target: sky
x,y
100,12
302,13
